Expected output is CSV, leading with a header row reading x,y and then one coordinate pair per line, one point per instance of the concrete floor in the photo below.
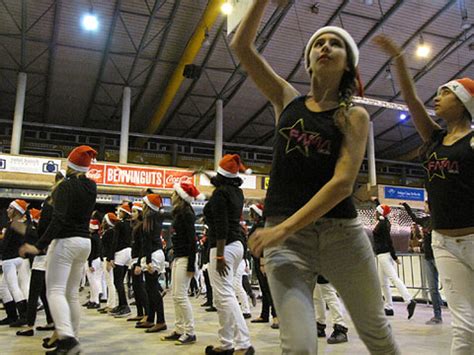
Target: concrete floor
x,y
105,335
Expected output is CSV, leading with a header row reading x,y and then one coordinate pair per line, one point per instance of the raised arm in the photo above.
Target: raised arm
x,y
276,89
424,124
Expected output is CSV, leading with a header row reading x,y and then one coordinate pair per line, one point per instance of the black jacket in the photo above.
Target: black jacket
x,y
95,248
137,240
152,239
184,239
382,240
425,223
107,244
73,203
122,237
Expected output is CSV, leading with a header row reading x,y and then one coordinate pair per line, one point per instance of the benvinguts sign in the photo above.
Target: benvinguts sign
x,y
107,174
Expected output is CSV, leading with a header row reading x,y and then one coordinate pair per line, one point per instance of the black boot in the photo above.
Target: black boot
x,y
339,335
321,330
12,316
21,306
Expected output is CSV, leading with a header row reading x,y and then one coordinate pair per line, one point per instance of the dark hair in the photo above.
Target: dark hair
x,y
152,221
181,207
220,180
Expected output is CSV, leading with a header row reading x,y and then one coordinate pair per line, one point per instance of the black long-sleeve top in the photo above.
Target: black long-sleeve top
x,y
122,237
255,226
152,239
95,248
382,239
12,241
222,212
425,223
107,244
73,203
46,217
184,239
137,240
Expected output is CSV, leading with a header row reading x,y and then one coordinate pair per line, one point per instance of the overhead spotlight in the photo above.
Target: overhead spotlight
x,y
315,8
388,74
227,8
403,116
206,42
423,50
369,2
90,22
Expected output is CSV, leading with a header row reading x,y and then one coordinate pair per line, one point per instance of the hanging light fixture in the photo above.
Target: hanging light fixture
x,y
423,49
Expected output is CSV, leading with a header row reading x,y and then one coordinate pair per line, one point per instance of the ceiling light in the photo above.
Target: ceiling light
x,y
315,8
90,22
206,42
403,116
423,50
369,2
226,8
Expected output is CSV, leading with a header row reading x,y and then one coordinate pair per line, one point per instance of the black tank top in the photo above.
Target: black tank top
x,y
450,181
305,151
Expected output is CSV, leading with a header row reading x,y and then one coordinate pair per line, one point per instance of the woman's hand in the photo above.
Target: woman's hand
x,y
265,238
137,270
91,269
28,249
222,267
388,46
149,268
190,273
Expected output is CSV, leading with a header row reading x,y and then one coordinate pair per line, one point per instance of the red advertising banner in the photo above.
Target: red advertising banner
x,y
159,178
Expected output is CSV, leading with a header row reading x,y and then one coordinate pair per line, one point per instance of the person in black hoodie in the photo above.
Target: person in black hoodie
x,y
94,265
13,297
120,257
152,262
184,244
227,246
69,246
386,256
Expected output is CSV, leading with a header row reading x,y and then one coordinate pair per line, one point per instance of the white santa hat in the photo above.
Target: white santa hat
x,y
188,192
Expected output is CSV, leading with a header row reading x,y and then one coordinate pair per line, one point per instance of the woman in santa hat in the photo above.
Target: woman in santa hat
x,y
152,262
227,246
184,245
69,246
138,284
448,156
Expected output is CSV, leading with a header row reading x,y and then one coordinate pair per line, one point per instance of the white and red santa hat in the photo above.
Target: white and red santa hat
x,y
188,192
153,201
94,224
257,208
383,210
230,166
35,214
464,90
81,158
125,207
137,205
111,219
19,205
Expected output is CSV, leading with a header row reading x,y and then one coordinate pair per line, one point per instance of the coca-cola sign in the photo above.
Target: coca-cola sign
x,y
125,175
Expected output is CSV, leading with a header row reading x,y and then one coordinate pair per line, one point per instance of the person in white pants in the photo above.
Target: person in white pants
x,y
325,294
240,291
94,266
69,246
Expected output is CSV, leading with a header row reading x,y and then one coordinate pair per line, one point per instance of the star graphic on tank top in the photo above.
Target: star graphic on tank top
x,y
435,171
293,142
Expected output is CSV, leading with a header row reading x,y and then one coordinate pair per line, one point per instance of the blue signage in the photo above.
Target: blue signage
x,y
404,193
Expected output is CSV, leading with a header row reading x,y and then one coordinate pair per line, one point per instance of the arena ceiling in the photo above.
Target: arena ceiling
x,y
76,78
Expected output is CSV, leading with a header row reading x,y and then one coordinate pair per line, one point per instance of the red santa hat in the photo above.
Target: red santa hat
x,y
230,166
94,224
464,90
125,207
188,192
81,158
111,219
35,214
384,210
137,205
19,205
153,201
257,208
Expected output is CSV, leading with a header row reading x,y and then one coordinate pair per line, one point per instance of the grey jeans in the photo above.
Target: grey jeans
x,y
340,250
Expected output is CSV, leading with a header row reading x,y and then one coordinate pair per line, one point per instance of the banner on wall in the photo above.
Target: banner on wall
x,y
249,181
137,176
29,165
404,193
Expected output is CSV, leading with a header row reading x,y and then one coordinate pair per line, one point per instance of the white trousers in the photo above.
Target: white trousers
x,y
239,289
180,280
109,280
326,294
4,292
11,270
157,261
455,261
123,257
388,273
95,278
232,327
24,276
39,263
65,266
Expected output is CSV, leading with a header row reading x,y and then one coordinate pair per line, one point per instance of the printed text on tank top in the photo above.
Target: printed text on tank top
x,y
300,139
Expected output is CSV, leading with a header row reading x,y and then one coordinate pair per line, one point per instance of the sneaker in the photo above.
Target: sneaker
x,y
212,350
247,315
249,351
259,320
186,339
86,304
93,306
124,312
321,330
66,346
411,308
339,335
211,309
389,312
275,323
172,337
103,300
115,310
434,321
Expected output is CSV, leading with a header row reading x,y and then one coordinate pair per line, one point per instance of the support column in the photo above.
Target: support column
x,y
371,156
174,154
127,94
219,133
18,115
